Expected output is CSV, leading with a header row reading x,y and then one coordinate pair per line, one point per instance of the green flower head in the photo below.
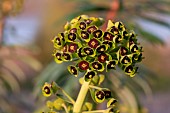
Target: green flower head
x,y
96,50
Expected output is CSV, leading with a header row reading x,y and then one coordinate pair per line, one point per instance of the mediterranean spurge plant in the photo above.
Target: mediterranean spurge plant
x,y
92,52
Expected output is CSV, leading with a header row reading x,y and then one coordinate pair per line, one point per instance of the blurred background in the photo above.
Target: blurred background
x,y
26,62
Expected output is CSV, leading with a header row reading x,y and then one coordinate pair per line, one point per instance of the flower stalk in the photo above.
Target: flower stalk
x,y
81,97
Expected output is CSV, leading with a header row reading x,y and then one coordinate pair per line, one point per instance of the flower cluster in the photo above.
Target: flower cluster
x,y
95,50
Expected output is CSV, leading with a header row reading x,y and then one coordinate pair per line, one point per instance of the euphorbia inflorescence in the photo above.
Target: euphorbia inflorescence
x,y
93,51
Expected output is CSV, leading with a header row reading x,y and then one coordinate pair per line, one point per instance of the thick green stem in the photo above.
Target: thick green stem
x,y
81,97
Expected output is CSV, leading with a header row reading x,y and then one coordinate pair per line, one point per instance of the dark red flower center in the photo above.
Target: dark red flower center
x,y
118,38
72,47
88,21
108,36
73,30
101,49
88,51
47,90
72,36
97,65
123,51
111,64
73,70
90,75
102,58
93,43
114,30
97,33
58,41
84,34
58,56
82,25
66,56
107,94
125,33
109,43
80,53
134,49
129,69
125,60
100,95
91,29
83,65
